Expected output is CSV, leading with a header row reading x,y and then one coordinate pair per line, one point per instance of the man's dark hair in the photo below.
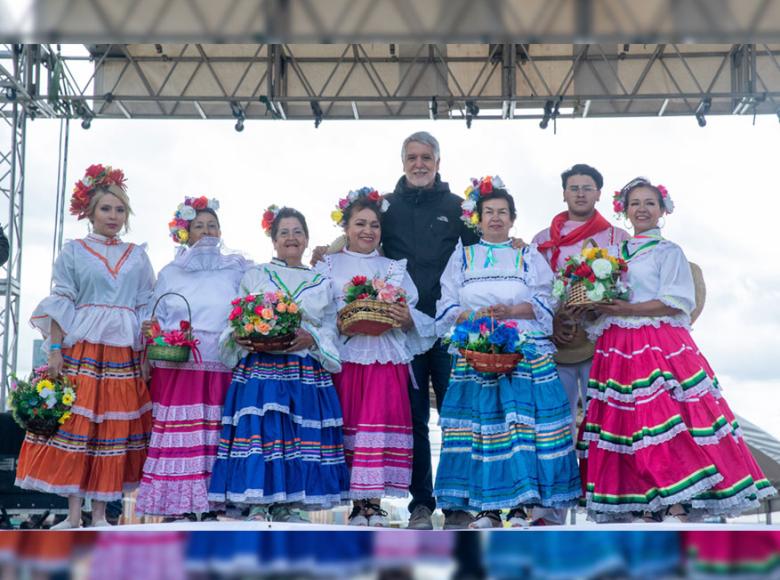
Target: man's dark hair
x,y
582,169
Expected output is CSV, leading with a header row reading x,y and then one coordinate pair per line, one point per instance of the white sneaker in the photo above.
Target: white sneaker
x,y
100,524
64,525
487,520
358,516
378,521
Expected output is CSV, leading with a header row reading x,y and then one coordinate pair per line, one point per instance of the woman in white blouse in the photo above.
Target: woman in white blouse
x,y
281,448
91,322
374,381
188,396
506,439
658,436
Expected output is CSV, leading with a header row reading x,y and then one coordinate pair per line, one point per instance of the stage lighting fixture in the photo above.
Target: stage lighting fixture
x,y
702,110
472,110
317,111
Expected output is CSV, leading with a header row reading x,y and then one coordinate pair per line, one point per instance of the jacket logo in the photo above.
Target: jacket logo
x,y
442,218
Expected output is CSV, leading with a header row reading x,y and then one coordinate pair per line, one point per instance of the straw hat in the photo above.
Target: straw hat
x,y
701,290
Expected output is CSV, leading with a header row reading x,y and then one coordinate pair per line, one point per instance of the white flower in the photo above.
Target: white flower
x,y
602,268
469,205
352,196
559,289
497,183
385,205
668,204
87,181
473,337
597,294
46,392
187,212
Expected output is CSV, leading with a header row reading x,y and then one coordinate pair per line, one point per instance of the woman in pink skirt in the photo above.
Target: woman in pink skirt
x,y
658,436
188,397
374,380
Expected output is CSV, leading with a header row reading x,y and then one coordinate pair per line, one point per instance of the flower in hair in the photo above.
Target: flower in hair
x,y
620,198
269,215
479,188
96,176
337,215
186,211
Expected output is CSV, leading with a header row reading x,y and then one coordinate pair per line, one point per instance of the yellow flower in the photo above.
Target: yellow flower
x,y
337,215
466,193
65,416
475,218
183,236
44,384
67,400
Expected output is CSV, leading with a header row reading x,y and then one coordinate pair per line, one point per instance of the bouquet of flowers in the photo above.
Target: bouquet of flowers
x,y
41,404
269,320
173,345
487,345
591,276
367,306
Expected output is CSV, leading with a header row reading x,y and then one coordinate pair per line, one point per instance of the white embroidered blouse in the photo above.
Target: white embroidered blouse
x,y
311,291
208,277
102,289
393,346
657,270
485,274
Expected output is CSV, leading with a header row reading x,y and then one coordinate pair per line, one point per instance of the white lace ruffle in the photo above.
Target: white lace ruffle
x,y
210,254
596,329
96,323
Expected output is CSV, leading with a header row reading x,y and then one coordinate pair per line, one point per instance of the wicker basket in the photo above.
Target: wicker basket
x,y
167,352
577,292
41,426
367,317
263,343
485,362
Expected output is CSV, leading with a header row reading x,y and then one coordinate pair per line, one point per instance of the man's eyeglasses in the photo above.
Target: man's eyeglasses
x,y
583,189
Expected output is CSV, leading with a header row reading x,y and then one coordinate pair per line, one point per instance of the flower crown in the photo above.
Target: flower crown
x,y
186,212
372,194
96,176
269,215
478,189
619,198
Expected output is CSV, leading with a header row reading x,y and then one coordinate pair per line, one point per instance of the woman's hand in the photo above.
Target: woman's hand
x,y
401,314
146,371
302,341
500,312
146,326
615,308
564,328
55,363
518,243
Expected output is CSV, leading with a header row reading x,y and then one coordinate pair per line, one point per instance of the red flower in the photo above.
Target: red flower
x,y
235,301
175,338
583,271
374,195
235,313
259,309
201,202
358,280
117,176
250,298
184,325
94,170
486,186
362,296
592,278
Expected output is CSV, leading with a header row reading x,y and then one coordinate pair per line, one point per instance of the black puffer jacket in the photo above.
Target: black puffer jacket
x,y
423,226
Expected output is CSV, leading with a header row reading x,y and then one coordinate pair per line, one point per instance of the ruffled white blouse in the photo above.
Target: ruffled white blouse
x,y
102,289
208,277
393,346
314,295
485,274
657,270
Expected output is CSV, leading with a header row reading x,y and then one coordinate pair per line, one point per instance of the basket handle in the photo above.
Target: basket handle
x,y
189,310
592,243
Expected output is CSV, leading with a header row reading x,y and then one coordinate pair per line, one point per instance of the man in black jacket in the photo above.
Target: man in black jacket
x,y
423,225
3,247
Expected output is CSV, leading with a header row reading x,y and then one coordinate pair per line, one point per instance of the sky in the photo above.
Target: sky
x,y
723,179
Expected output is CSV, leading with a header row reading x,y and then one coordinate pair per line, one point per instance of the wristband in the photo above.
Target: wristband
x,y
55,346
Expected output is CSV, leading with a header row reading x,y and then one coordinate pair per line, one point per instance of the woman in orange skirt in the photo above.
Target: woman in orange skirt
x,y
102,286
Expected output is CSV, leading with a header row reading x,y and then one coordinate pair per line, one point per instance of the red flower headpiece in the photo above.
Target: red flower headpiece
x,y
96,176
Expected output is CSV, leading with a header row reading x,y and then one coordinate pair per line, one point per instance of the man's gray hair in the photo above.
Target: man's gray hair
x,y
421,137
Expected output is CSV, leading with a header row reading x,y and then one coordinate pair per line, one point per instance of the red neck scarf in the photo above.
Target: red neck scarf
x,y
594,225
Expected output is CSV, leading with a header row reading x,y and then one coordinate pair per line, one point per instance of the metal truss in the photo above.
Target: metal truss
x,y
412,81
417,21
15,94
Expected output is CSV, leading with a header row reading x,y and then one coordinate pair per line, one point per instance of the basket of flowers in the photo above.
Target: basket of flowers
x,y
489,346
41,404
268,320
590,277
367,306
173,345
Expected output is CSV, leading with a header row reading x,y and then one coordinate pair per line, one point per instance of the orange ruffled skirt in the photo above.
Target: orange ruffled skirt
x,y
99,451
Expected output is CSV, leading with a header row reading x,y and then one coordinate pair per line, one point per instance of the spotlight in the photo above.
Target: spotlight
x,y
548,113
317,111
702,110
10,93
239,125
433,109
238,113
472,110
86,122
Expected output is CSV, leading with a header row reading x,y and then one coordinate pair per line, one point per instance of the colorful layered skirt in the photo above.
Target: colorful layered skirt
x,y
725,554
99,452
187,422
281,439
377,428
506,439
658,432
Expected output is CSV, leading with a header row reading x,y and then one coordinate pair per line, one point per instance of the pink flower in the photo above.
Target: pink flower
x,y
235,302
378,283
249,298
235,313
343,203
271,297
259,309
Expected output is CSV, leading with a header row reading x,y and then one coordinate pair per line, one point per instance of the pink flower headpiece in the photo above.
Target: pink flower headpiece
x,y
620,198
179,226
269,215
